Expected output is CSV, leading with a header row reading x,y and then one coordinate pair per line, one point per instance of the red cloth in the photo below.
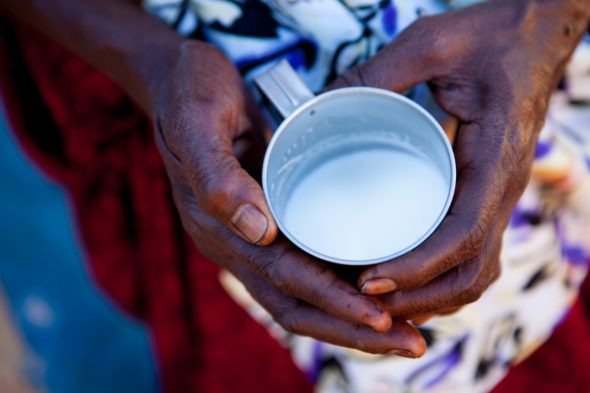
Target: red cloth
x,y
84,132
559,365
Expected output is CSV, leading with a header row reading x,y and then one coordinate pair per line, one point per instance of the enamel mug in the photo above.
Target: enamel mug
x,y
356,175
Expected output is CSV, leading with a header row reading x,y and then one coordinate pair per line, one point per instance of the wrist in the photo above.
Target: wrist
x,y
572,16
180,66
139,61
561,24
149,67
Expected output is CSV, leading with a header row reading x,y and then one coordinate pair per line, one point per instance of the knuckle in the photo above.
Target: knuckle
x,y
262,262
411,273
283,320
474,287
406,280
287,320
517,154
356,76
475,281
320,287
403,304
359,342
435,265
267,264
438,44
517,173
188,211
217,191
473,292
475,234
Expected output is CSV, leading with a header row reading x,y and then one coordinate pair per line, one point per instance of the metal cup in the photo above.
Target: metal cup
x,y
354,123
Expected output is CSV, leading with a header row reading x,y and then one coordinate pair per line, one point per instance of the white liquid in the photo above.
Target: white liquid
x,y
366,204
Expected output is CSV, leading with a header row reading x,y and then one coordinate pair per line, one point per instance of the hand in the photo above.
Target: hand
x,y
205,123
492,66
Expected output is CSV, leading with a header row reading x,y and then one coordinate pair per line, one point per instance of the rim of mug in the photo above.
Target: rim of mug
x,y
370,90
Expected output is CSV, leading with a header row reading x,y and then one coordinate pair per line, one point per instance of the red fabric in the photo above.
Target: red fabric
x,y
99,146
101,150
560,364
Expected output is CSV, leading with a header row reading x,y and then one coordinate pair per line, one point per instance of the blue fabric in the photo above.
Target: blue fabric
x,y
76,340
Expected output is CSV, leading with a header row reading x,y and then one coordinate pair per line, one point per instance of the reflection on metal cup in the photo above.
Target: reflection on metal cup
x,y
356,175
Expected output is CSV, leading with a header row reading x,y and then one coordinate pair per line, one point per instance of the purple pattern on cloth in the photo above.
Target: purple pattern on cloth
x,y
543,148
517,219
313,373
389,19
301,53
576,255
447,361
521,217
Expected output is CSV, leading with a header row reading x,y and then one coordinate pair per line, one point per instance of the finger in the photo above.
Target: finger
x,y
462,234
402,339
449,310
221,185
404,63
303,319
301,276
458,287
423,318
284,267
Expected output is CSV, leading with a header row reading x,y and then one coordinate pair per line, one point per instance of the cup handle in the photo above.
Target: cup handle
x,y
283,87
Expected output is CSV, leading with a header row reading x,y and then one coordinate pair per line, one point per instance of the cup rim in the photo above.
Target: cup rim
x,y
363,90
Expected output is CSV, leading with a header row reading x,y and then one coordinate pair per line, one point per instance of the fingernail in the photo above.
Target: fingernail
x,y
250,222
378,286
403,353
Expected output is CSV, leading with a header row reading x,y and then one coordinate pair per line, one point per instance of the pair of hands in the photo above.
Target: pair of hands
x,y
490,66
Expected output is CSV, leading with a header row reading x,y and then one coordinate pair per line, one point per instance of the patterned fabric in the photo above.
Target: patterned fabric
x,y
256,33
546,247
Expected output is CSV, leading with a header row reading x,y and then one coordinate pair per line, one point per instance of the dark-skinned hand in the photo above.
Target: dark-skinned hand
x,y
205,123
492,66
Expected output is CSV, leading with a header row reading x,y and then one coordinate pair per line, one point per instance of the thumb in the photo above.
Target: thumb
x,y
399,66
224,189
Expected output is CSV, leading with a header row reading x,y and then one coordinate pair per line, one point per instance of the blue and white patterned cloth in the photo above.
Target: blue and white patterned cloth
x,y
546,246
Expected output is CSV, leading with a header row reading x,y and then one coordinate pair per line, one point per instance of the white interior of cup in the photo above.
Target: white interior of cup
x,y
344,121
